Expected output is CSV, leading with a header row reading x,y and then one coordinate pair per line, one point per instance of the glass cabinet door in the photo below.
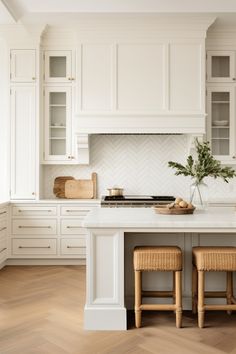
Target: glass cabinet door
x,y
58,66
221,122
220,66
57,123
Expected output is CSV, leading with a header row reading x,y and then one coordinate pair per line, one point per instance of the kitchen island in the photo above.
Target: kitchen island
x,y
112,233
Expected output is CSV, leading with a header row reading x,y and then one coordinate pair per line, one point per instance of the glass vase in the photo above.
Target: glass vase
x,y
199,194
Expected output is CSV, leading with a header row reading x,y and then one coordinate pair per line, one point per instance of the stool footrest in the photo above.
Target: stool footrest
x,y
152,293
215,294
220,307
158,307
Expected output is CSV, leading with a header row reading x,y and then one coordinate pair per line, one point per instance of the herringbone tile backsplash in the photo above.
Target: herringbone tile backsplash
x,y
138,163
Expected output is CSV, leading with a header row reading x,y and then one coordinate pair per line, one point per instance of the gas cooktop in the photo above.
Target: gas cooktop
x,y
135,200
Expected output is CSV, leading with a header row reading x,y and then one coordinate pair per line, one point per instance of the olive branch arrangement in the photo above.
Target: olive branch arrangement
x,y
204,166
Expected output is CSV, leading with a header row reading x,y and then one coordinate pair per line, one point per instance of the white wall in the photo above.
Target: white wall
x,y
139,164
4,124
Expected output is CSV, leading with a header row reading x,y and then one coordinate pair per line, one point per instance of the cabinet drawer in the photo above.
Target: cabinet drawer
x,y
34,211
34,246
74,211
76,246
3,213
34,227
3,249
72,227
3,229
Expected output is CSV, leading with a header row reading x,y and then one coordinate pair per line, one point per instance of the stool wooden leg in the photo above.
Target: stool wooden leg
x,y
178,294
194,290
229,289
174,290
201,310
138,297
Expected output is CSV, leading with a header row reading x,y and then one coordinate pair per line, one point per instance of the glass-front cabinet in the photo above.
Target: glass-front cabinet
x,y
57,111
221,122
58,66
220,66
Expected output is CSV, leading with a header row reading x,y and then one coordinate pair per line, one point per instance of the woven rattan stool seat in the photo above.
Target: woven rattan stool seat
x,y
155,258
215,258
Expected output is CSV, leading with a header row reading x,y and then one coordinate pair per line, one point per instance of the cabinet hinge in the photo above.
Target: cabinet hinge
x,y
10,76
10,92
44,92
206,92
10,56
44,155
44,57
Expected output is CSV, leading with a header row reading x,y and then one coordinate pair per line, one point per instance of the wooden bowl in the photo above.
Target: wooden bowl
x,y
173,211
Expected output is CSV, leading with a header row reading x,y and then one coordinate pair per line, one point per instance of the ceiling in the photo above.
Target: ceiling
x,y
28,11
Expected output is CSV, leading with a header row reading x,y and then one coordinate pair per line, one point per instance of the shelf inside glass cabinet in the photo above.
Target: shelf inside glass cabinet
x,y
57,123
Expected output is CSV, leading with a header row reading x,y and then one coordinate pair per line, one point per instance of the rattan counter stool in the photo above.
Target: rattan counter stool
x,y
154,258
212,259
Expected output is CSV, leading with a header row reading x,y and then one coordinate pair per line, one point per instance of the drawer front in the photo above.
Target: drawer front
x,y
3,212
34,246
3,249
73,246
34,211
72,227
74,211
3,229
34,227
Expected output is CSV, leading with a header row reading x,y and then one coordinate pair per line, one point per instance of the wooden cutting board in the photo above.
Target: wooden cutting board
x,y
59,185
81,188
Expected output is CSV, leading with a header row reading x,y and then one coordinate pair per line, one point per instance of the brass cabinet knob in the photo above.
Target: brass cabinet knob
x,y
72,157
234,78
233,157
33,78
33,193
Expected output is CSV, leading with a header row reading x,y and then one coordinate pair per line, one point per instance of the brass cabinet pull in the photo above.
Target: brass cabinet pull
x,y
3,249
25,211
75,247
34,247
73,227
3,228
76,211
3,212
34,227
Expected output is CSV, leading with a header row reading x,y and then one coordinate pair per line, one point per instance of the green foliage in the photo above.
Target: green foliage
x,y
205,165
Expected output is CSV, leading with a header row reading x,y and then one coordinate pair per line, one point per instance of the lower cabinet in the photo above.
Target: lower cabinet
x,y
3,234
34,246
49,231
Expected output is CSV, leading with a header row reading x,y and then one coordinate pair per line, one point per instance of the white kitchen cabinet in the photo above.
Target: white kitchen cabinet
x,y
44,230
23,65
221,122
23,142
58,125
58,66
221,66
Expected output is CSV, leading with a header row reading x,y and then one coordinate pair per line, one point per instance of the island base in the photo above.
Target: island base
x,y
105,319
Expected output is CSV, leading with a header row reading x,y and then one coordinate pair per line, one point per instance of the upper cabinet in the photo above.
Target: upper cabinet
x,y
221,66
23,65
58,66
57,133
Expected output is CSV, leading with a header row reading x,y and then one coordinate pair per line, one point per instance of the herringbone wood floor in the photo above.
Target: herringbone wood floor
x,y
41,312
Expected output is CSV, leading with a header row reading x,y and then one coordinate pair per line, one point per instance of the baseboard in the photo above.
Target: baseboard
x,y
2,265
31,262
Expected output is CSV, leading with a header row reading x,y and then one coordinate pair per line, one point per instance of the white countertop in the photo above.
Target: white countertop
x,y
56,201
145,218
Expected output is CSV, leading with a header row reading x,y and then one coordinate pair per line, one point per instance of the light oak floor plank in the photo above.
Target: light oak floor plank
x,y
41,312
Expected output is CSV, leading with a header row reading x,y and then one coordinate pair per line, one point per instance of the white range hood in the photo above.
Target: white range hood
x,y
142,74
